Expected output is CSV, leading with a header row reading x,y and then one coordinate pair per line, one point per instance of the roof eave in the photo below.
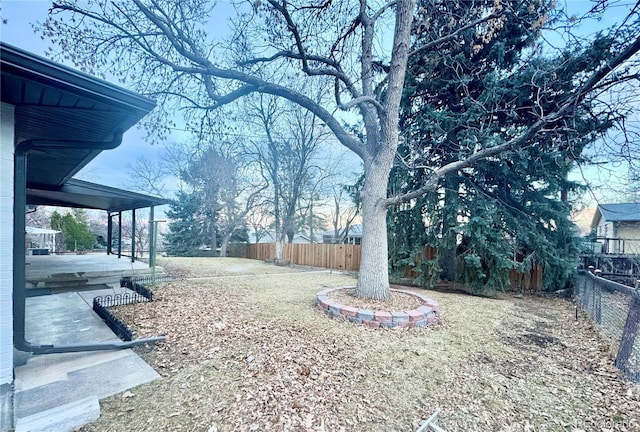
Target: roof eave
x,y
42,69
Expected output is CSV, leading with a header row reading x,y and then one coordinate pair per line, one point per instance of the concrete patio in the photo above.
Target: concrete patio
x,y
59,392
67,272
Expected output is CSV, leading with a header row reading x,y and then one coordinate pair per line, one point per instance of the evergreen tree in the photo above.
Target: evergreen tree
x,y
477,91
206,177
186,230
168,45
240,235
76,235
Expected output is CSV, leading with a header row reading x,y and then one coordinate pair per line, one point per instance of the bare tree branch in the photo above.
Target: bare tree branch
x,y
563,111
456,33
382,10
363,100
336,72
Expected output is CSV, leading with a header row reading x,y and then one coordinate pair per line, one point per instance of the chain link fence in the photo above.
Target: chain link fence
x,y
615,309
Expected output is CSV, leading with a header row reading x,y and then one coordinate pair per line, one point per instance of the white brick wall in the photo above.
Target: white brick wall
x,y
6,243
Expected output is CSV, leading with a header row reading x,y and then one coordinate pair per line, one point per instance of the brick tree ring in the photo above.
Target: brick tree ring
x,y
425,314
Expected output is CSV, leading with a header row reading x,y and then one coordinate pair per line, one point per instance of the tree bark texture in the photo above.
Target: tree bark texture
x,y
224,245
373,279
214,236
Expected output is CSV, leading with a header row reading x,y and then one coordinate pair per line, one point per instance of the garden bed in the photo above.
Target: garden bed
x,y
404,309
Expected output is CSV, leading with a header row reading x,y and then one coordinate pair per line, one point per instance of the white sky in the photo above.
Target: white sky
x,y
108,167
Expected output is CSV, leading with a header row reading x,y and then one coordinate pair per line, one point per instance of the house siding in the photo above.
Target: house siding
x,y
6,242
605,229
630,232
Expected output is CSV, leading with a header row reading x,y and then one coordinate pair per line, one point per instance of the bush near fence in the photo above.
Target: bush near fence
x,y
615,310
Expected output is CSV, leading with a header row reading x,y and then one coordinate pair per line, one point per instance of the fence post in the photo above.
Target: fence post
x,y
629,333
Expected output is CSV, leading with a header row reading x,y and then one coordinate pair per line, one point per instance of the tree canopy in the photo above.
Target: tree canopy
x,y
505,212
207,212
76,235
165,49
186,233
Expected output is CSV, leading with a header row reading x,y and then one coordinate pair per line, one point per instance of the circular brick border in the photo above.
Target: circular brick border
x,y
425,314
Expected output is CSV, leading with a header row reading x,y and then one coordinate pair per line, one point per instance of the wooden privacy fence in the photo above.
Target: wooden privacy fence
x,y
347,257
528,280
334,256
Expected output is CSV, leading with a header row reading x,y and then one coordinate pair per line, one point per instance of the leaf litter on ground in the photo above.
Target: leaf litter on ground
x,y
247,351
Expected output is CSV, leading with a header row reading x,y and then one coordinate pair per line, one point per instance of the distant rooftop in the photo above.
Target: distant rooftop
x,y
355,230
36,230
627,212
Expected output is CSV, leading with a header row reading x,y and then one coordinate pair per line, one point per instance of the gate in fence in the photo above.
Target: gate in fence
x,y
615,309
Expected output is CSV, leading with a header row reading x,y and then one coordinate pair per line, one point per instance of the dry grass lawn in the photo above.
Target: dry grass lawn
x,y
247,351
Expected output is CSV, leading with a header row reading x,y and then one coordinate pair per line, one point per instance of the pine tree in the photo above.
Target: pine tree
x,y
476,91
459,46
186,230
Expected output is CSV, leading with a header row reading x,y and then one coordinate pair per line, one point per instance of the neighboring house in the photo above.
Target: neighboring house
x,y
42,241
53,121
353,237
269,237
583,220
617,227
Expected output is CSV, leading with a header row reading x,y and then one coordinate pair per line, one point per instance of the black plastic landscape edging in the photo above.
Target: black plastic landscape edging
x,y
115,324
128,282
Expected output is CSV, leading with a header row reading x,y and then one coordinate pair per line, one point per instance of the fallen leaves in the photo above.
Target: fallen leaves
x,y
398,302
251,353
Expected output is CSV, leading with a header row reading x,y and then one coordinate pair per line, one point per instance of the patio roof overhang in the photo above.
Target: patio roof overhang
x,y
63,119
56,104
82,194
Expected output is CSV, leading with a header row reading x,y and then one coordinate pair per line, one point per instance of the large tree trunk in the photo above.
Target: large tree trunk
x,y
447,250
290,235
288,222
214,237
225,244
311,235
373,279
278,249
277,223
